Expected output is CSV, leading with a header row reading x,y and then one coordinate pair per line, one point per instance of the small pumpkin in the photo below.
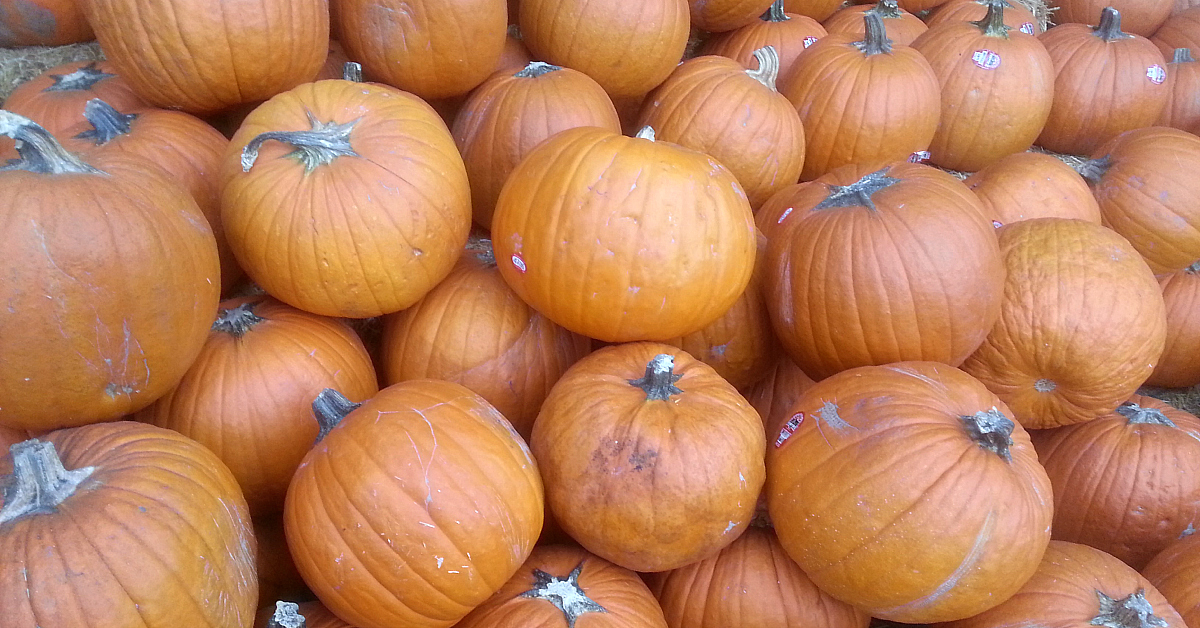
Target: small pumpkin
x,y
42,23
1016,15
1181,30
1178,368
56,98
788,33
901,26
1183,109
717,16
1028,185
1173,572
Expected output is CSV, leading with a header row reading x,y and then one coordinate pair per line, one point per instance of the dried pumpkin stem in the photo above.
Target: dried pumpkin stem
x,y
564,593
768,67
1182,55
319,146
82,79
992,431
40,152
1109,28
287,615
887,9
1194,269
482,249
647,133
236,321
859,193
876,41
775,13
1137,415
39,482
1094,169
107,123
659,380
992,24
536,69
330,407
352,71
1134,611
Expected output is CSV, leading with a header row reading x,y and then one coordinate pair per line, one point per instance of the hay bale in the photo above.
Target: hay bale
x,y
18,65
1186,399
1041,11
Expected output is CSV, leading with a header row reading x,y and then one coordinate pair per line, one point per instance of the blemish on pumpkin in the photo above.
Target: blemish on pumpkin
x,y
113,389
1044,385
968,564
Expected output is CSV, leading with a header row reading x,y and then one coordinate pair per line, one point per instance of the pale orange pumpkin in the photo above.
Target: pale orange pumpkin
x,y
1023,186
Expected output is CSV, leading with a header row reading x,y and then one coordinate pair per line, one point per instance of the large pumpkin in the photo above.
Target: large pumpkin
x,y
621,238
650,459
908,491
345,199
1082,323
56,98
788,33
1173,573
1023,186
1178,367
123,525
42,23
716,16
1183,108
415,509
110,279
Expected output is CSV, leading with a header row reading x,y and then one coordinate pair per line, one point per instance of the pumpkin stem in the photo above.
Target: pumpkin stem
x,y
238,320
647,133
39,482
352,71
514,31
858,193
768,66
876,41
1093,169
482,249
775,13
659,380
886,8
287,615
1138,415
992,431
564,593
1182,55
1131,612
1109,28
992,24
40,152
1194,269
330,407
319,146
82,79
536,69
107,123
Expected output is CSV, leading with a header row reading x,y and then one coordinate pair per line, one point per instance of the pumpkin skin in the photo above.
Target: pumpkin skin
x,y
902,304
717,16
1016,15
713,105
907,491
130,266
158,521
277,575
788,33
1177,368
621,453
1183,109
1023,186
1179,31
42,23
588,221
578,34
561,586
472,329
248,396
1082,323
774,395
819,10
997,89
56,98
1142,17
1173,573
1127,483
748,584
512,112
1131,72
315,241
876,104
1143,181
446,528
335,62
432,48
1069,589
902,27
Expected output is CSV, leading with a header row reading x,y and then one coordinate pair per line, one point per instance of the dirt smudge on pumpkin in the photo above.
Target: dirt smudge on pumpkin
x,y
618,456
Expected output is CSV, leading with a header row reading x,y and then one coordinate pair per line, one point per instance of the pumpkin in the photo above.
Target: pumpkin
x,y
207,58
1016,15
862,101
908,491
1023,186
248,395
56,98
455,506
306,615
111,275
622,239
1173,573
1144,181
997,89
775,211
1178,368
1179,31
1106,82
582,35
432,48
277,575
561,585
774,395
1183,109
650,459
1079,586
901,26
42,23
1082,323
819,10
1142,17
512,112
750,583
335,62
1127,483
123,525
515,55
473,330
10,436
345,199
788,33
716,16
713,105
904,303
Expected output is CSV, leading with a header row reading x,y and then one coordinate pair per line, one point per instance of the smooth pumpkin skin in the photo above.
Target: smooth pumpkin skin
x,y
362,235
579,34
902,27
42,23
1173,573
880,494
1142,17
1054,356
55,98
455,507
1065,589
648,484
789,33
1016,15
431,48
210,57
1181,30
1183,109
248,396
1178,368
718,16
622,597
157,535
819,10
623,239
752,583
1023,186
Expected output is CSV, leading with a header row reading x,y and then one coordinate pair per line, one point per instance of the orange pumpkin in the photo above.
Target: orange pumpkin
x,y
1181,30
1142,17
1016,15
788,33
1183,108
1173,573
908,491
901,26
774,395
1178,368
56,98
819,10
42,23
1023,186
717,16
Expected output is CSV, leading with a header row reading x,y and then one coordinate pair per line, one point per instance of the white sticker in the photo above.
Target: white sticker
x,y
1156,74
1027,28
920,156
789,428
996,224
810,40
986,59
518,262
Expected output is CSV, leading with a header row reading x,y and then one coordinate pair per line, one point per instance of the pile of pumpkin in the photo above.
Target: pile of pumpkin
x,y
723,348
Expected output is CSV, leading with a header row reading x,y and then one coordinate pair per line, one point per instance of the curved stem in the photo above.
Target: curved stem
x,y
536,69
1094,169
237,321
992,24
775,13
659,380
322,144
329,408
647,133
1182,55
80,80
287,615
39,482
107,123
768,67
40,152
887,9
352,71
1109,28
876,40
992,431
